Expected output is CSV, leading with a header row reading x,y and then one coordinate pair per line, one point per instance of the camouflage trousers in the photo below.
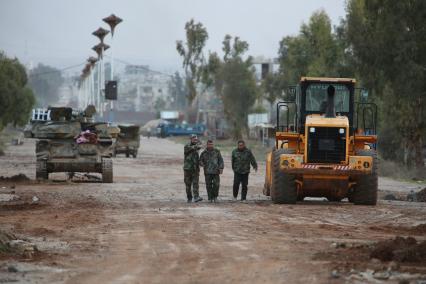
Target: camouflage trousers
x,y
191,178
212,185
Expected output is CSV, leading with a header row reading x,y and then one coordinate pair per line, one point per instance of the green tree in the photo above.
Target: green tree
x,y
192,54
233,80
315,51
45,82
388,39
16,100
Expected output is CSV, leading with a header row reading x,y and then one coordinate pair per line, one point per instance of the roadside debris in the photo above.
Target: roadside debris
x,y
335,274
400,249
372,276
338,245
9,243
412,196
389,197
15,178
23,248
12,269
7,197
421,195
5,238
35,199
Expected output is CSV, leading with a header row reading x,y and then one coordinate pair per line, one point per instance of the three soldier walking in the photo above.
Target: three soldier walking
x,y
212,162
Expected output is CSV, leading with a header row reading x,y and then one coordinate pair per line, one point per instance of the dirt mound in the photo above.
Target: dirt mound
x,y
400,249
419,229
413,230
15,178
20,205
421,195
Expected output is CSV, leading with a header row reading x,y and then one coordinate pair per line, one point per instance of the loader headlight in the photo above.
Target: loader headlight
x,y
312,129
285,163
366,165
342,131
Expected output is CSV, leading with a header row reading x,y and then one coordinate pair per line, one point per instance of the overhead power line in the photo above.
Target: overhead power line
x,y
56,71
81,64
141,66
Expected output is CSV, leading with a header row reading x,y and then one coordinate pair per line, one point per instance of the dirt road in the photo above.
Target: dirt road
x,y
141,230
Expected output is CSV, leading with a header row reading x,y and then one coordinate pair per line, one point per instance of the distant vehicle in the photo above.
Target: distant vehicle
x,y
175,129
70,141
128,140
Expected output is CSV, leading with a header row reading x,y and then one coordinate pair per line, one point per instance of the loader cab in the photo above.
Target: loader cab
x,y
312,98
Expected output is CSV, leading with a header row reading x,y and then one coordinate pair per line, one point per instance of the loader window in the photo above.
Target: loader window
x,y
316,97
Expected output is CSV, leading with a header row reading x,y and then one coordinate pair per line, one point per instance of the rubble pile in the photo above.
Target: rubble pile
x,y
421,195
400,249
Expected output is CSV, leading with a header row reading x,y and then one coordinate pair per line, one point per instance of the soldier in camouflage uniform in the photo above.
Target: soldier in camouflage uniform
x,y
191,168
212,162
242,157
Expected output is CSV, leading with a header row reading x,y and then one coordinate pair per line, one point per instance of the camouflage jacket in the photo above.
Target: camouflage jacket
x,y
241,161
191,158
211,161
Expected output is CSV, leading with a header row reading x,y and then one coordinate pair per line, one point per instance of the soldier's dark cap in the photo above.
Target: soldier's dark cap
x,y
209,141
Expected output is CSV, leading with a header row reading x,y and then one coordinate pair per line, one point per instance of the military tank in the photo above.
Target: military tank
x,y
128,140
71,141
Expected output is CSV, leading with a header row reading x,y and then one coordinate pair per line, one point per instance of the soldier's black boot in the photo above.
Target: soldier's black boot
x,y
244,193
198,199
189,197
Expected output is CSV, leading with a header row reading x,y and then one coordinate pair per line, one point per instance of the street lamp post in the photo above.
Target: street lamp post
x,y
84,91
112,20
100,48
92,61
100,33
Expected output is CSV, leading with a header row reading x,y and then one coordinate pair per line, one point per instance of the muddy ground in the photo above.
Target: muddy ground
x,y
141,230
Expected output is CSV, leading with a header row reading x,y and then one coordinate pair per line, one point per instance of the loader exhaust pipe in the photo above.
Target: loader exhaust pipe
x,y
330,111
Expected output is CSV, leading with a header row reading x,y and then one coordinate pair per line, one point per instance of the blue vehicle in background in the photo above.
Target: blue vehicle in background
x,y
176,129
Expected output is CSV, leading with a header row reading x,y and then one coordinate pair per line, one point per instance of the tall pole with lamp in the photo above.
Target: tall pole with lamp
x,y
100,48
112,20
92,61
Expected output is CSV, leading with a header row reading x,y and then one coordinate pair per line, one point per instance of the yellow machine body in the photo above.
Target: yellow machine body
x,y
334,181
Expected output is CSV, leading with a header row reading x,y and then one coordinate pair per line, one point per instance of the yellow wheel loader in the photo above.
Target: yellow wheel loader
x,y
325,144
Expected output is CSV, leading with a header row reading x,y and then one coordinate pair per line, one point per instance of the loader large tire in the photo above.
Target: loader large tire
x,y
107,173
41,170
283,187
366,187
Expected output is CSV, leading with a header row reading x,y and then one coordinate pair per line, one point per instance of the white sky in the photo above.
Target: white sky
x,y
58,32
